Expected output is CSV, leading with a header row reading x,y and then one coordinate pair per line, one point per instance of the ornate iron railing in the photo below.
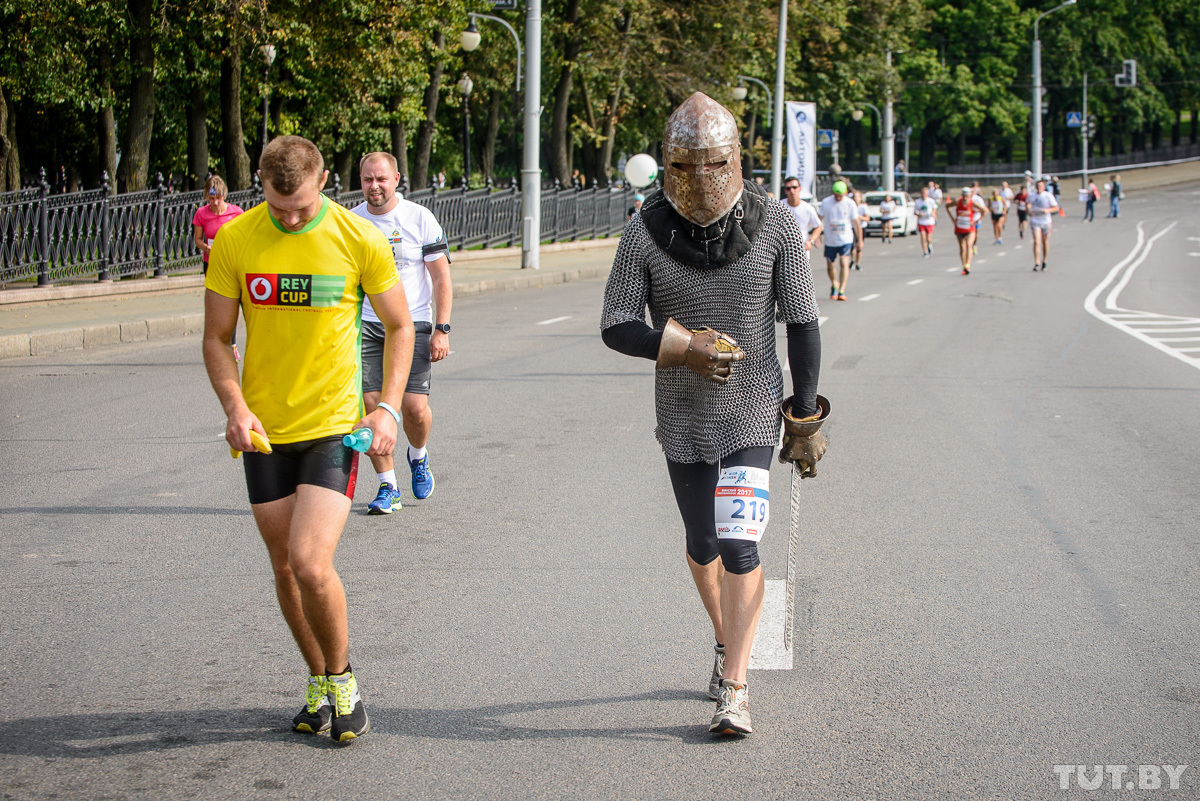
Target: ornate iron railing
x,y
96,235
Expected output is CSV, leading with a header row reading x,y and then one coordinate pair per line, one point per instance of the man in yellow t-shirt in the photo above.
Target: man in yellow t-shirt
x,y
298,266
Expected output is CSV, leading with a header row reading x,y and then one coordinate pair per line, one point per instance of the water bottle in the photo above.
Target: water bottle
x,y
359,440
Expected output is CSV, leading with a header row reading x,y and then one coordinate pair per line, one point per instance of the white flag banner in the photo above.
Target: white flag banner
x,y
802,143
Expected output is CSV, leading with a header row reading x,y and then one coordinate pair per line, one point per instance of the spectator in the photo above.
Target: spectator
x,y
1114,197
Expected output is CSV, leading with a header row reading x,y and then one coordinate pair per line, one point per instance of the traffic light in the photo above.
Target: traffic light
x,y
1128,77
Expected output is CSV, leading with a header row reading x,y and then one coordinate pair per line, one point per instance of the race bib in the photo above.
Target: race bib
x,y
963,221
839,228
742,504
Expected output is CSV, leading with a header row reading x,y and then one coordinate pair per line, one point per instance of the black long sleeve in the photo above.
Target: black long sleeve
x,y
633,338
804,361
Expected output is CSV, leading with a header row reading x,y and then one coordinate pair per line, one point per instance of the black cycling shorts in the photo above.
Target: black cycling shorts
x,y
323,462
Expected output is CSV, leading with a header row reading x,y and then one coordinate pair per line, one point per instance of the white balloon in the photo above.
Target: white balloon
x,y
641,170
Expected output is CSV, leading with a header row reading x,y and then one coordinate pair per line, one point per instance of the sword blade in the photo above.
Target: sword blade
x,y
793,549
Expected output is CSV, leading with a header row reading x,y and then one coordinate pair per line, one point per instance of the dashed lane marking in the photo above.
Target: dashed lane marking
x,y
915,282
768,652
869,297
553,320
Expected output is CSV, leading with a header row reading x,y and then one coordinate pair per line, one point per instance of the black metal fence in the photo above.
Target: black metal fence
x,y
95,235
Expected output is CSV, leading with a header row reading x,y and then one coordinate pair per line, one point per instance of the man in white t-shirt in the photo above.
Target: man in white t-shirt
x,y
422,260
839,216
926,209
1041,207
804,213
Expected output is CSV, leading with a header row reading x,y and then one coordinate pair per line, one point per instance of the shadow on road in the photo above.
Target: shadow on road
x,y
112,734
186,511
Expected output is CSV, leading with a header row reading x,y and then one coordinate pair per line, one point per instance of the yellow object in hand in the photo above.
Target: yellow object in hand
x,y
257,440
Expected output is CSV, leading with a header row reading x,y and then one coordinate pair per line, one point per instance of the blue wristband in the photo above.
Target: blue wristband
x,y
390,410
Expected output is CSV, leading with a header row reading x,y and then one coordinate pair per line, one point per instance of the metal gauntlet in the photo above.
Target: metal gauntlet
x,y
706,352
803,442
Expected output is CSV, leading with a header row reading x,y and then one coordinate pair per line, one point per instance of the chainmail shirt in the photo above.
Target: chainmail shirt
x,y
699,420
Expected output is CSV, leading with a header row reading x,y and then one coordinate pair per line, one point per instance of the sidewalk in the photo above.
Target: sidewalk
x,y
40,321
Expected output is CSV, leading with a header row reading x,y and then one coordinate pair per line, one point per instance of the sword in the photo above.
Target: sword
x,y
793,548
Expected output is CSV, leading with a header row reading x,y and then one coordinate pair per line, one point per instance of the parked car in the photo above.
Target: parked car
x,y
905,215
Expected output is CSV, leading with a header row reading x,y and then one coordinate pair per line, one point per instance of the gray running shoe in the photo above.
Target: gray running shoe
x,y
714,683
733,710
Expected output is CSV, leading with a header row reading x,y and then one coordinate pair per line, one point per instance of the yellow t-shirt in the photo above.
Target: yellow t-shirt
x,y
301,295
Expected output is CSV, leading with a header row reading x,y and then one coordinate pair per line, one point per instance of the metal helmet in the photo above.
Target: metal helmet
x,y
702,158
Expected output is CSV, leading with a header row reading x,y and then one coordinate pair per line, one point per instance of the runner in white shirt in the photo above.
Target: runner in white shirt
x,y
935,193
864,215
839,215
926,208
1042,206
887,213
803,211
998,206
419,247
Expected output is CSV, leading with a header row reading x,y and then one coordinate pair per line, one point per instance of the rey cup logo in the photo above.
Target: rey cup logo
x,y
275,289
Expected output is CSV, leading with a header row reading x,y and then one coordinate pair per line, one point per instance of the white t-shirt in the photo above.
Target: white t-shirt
x,y
886,208
926,209
838,218
806,215
936,196
998,205
415,237
1040,206
1008,193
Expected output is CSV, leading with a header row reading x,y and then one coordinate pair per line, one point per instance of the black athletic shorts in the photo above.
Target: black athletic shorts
x,y
996,217
372,358
1021,215
323,462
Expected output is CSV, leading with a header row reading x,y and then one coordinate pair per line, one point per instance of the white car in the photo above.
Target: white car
x,y
904,220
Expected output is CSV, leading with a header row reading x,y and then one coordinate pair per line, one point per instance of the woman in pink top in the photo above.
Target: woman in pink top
x,y
208,219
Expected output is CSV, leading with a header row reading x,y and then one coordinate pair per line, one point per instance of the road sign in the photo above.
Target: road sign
x,y
825,137
1074,119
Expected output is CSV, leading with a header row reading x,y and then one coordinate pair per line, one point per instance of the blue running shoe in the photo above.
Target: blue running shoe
x,y
422,479
386,502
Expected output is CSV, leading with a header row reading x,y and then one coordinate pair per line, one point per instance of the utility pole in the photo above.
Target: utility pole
x,y
1086,133
778,128
889,135
531,170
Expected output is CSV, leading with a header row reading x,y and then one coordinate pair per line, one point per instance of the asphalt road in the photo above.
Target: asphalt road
x,y
998,574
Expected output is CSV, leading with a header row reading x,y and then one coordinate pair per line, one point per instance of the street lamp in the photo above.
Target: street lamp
x,y
740,92
268,54
471,37
1037,89
531,169
858,114
465,85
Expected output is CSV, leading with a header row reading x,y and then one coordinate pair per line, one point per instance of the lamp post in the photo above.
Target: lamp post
x,y
470,39
777,130
1036,144
531,170
739,93
857,115
465,85
268,54
888,145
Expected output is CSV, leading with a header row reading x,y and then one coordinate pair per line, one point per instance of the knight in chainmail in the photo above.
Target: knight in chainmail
x,y
711,257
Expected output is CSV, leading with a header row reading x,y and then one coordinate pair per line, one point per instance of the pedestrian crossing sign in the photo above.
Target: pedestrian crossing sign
x,y
1074,119
824,137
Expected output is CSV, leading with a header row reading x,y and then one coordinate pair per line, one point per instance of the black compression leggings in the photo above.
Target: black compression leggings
x,y
695,485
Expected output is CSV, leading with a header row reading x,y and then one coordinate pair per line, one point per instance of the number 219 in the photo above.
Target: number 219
x,y
758,510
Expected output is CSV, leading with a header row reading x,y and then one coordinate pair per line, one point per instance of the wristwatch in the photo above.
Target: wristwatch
x,y
443,327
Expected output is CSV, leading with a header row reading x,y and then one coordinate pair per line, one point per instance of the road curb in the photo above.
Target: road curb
x,y
44,343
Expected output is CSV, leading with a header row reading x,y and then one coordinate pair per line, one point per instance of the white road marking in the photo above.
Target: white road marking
x,y
917,281
553,320
821,321
1140,324
869,297
953,269
1002,253
1193,253
768,652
